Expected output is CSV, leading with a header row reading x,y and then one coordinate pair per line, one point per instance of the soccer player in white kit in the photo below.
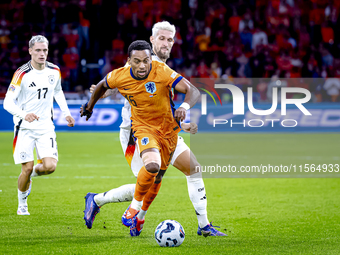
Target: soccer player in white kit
x,y
162,40
30,100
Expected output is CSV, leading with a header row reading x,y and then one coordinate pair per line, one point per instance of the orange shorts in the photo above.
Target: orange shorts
x,y
146,139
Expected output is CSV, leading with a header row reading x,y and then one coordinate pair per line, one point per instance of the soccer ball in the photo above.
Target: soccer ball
x,y
169,233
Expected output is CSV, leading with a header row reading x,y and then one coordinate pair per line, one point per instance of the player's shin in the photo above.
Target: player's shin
x,y
149,197
24,177
120,194
145,179
198,197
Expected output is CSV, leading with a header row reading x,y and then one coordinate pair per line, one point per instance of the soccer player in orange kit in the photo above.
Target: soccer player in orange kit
x,y
147,84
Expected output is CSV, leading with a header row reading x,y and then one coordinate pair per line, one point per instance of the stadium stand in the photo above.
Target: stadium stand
x,y
219,39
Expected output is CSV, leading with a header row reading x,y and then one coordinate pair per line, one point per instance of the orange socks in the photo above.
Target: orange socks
x,y
151,195
145,180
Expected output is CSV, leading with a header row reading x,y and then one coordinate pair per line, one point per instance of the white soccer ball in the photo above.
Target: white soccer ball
x,y
169,233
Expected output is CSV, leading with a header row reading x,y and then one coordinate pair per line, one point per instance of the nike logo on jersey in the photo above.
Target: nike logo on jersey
x,y
32,85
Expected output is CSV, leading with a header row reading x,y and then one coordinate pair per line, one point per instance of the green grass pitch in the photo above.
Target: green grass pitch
x,y
260,215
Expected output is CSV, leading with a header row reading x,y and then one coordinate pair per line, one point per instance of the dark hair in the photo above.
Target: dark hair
x,y
139,45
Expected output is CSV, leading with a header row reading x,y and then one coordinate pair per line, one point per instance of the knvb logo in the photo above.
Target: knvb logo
x,y
238,102
145,140
150,87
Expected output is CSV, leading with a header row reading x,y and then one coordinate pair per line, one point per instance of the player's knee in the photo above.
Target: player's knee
x,y
152,167
50,167
195,167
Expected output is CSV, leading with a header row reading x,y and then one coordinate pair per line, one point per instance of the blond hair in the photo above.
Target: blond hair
x,y
37,38
163,25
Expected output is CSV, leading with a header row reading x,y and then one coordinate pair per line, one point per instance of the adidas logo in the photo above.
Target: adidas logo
x,y
128,214
204,197
32,85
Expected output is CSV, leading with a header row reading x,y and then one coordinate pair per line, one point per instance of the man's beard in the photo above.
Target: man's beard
x,y
163,55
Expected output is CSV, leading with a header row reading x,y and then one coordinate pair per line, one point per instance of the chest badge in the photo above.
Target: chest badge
x,y
51,79
150,87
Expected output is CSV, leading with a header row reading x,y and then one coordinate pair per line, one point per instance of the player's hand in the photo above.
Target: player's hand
x,y
92,88
84,112
30,117
180,114
190,128
70,121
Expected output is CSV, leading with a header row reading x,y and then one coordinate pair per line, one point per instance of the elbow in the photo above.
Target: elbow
x,y
6,104
196,95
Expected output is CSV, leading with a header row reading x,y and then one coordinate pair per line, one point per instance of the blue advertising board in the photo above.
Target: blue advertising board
x,y
107,117
104,118
325,117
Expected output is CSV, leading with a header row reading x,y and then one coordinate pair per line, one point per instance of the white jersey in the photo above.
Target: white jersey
x,y
126,110
32,91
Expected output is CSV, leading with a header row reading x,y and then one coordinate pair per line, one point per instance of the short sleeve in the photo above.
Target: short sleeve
x,y
17,78
110,79
58,85
172,77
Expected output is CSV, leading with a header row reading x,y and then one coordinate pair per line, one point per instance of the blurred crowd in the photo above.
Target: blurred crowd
x,y
228,40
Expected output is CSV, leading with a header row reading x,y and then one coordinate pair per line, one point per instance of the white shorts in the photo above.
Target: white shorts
x,y
26,140
131,152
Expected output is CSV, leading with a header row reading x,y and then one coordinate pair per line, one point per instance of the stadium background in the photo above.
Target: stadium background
x,y
231,40
223,40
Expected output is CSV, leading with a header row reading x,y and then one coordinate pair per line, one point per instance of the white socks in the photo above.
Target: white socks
x,y
137,205
141,214
22,197
198,198
34,173
120,194
124,193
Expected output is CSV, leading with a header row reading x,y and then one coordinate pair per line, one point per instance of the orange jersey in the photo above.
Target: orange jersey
x,y
150,98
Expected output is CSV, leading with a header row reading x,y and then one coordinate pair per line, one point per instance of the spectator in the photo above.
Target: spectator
x,y
332,86
234,21
71,60
246,22
259,38
262,38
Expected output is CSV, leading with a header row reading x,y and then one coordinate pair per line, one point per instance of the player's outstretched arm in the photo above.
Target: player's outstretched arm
x,y
108,92
87,109
191,97
61,101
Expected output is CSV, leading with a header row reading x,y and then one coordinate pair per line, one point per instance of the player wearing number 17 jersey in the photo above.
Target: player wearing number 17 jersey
x,y
30,100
